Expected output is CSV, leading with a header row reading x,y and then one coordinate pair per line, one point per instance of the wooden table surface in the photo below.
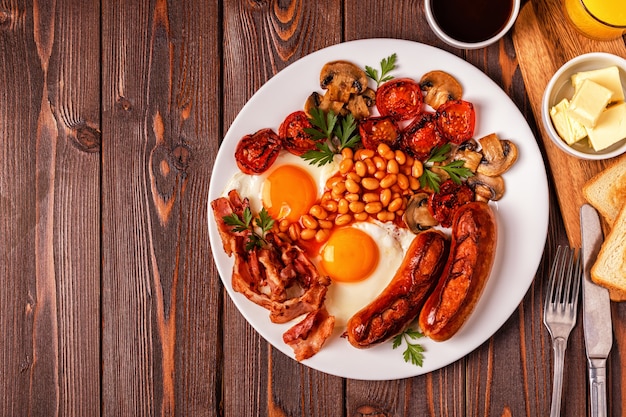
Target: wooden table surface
x,y
111,115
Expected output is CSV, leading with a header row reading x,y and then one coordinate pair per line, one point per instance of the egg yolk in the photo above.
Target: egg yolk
x,y
349,255
288,193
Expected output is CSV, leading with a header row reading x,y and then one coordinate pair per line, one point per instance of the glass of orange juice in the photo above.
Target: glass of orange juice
x,y
598,19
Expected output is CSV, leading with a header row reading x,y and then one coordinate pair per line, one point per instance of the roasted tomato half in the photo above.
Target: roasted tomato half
x,y
293,135
381,129
455,120
400,98
257,152
451,196
421,137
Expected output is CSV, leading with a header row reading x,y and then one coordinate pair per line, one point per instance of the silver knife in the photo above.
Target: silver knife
x,y
596,312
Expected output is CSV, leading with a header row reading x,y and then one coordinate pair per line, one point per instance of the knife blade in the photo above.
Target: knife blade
x,y
597,325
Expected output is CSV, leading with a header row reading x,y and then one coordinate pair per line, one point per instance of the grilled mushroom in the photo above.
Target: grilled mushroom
x,y
323,103
359,104
468,153
346,91
487,188
342,79
498,155
312,102
417,216
440,87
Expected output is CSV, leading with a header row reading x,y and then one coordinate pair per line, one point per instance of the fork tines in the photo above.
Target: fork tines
x,y
560,312
565,277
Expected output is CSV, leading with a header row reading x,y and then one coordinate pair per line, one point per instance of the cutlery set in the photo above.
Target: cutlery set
x,y
570,270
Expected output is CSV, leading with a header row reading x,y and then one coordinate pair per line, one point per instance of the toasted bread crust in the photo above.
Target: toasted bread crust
x,y
609,269
606,191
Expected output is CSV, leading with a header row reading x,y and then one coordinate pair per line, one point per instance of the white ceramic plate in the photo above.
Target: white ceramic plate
x,y
522,214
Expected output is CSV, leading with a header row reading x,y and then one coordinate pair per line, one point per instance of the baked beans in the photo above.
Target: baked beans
x,y
370,184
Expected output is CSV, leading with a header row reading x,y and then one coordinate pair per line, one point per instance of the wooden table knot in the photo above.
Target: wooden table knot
x,y
370,411
11,18
5,18
124,104
87,138
181,156
258,3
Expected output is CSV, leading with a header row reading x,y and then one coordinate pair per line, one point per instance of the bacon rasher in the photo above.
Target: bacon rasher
x,y
279,277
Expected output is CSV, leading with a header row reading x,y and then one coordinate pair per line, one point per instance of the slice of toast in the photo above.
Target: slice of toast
x,y
606,191
609,269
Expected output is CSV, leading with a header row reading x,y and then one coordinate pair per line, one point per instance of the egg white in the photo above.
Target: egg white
x,y
251,186
344,299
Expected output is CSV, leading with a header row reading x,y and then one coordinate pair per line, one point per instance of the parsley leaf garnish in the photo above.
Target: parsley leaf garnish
x,y
324,124
413,352
333,133
386,65
456,170
320,157
264,221
247,223
346,132
439,153
239,225
430,180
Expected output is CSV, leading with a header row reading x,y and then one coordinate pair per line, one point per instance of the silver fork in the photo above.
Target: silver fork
x,y
560,310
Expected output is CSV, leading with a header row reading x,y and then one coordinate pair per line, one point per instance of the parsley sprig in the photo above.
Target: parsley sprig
x,y
332,133
414,351
455,169
324,124
386,66
248,223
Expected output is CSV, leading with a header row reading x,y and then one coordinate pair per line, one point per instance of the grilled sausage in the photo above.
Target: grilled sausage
x,y
401,301
467,270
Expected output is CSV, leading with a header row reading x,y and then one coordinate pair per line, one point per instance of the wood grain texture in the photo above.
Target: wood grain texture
x,y
161,88
50,174
18,67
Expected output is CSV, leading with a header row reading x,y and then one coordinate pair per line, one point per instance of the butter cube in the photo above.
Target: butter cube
x,y
570,130
610,128
606,77
588,102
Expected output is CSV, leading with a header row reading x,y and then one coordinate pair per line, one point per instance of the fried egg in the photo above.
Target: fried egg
x,y
361,259
288,189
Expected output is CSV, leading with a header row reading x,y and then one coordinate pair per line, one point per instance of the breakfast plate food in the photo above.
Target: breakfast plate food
x,y
521,215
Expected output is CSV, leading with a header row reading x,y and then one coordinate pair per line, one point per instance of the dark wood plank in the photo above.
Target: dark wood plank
x,y
196,36
50,170
19,69
161,298
260,39
616,374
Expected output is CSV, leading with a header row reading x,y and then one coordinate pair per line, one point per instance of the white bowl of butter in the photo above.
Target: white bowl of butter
x,y
583,108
